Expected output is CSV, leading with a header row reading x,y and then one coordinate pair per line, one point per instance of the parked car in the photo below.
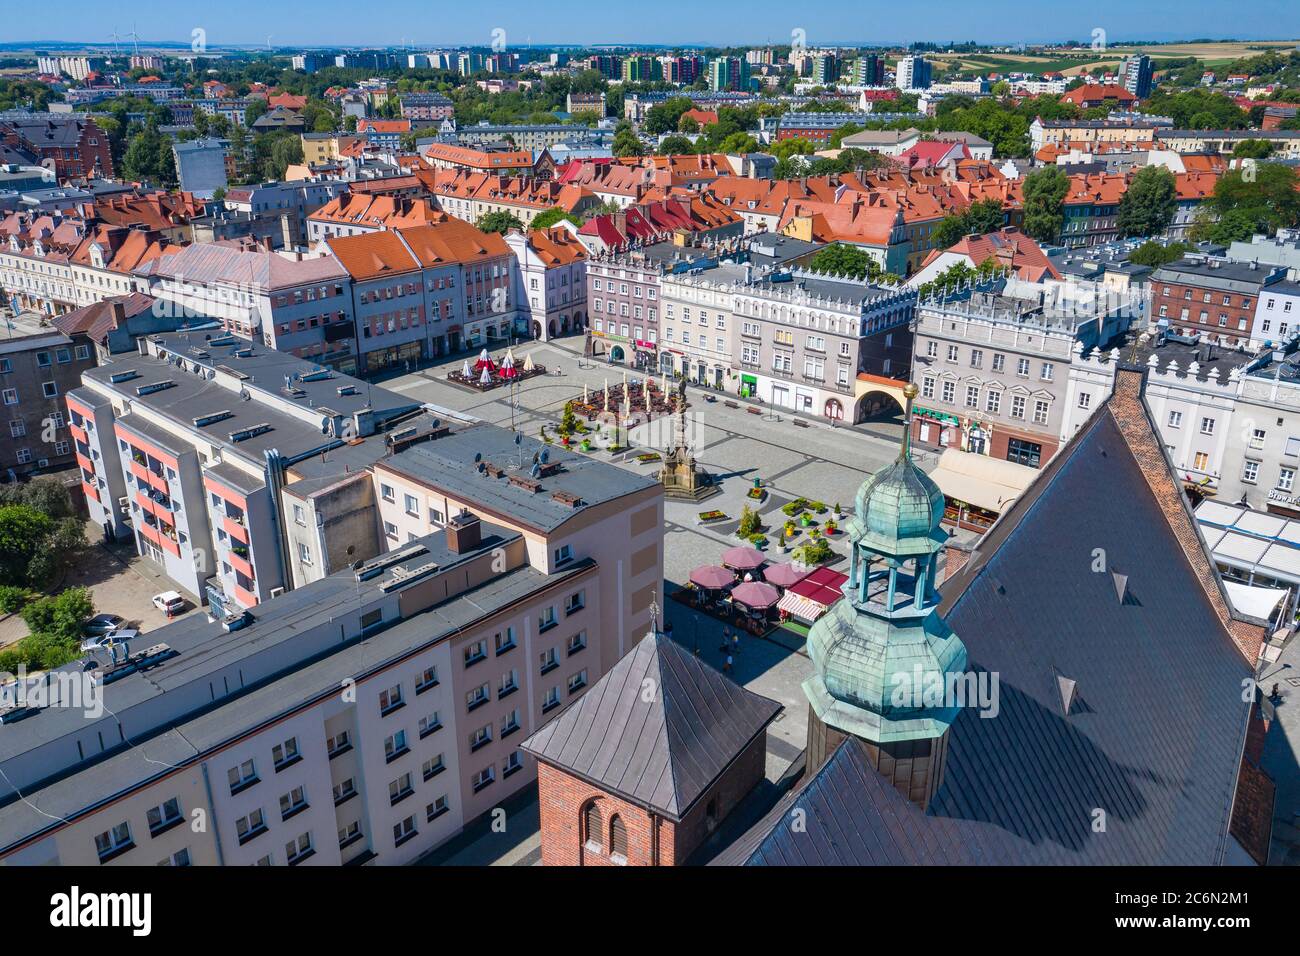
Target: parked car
x,y
169,602
103,623
118,639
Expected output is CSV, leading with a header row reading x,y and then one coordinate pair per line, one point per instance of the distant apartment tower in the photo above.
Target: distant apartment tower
x,y
869,70
312,62
607,65
728,73
913,73
1137,74
642,69
825,68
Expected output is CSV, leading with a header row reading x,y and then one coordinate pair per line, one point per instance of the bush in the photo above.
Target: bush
x,y
794,507
814,552
13,598
749,522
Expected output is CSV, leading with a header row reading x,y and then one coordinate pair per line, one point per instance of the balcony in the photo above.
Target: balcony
x,y
245,597
79,434
90,491
242,564
148,477
153,533
86,464
235,529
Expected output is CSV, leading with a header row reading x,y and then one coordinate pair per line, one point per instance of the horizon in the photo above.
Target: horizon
x,y
406,23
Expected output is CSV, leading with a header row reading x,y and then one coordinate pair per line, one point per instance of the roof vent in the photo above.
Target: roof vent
x,y
1121,586
1067,689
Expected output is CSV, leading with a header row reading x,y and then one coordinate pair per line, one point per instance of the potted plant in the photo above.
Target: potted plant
x,y
784,544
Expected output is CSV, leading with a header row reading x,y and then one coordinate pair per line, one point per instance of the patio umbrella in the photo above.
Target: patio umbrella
x,y
743,559
528,363
783,575
755,594
584,393
508,370
485,378
464,369
712,577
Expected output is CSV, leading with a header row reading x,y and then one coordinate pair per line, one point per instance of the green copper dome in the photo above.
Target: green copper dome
x,y
883,657
898,510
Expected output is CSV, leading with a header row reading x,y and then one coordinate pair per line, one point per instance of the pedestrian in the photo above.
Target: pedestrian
x,y
735,643
726,668
726,640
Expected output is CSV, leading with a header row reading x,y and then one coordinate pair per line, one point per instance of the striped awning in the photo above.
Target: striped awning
x,y
800,607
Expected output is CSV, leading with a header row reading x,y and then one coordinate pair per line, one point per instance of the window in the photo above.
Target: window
x,y
475,652
999,361
577,642
483,778
513,764
992,401
164,816
247,827
617,839
390,700
179,858
344,791
284,754
429,724
412,506
349,833
478,696
1250,472
114,842
509,723
433,766
575,602
339,743
1017,406
1022,367
578,681
952,353
437,808
547,620
1257,436
927,387
295,801
551,700
1046,374
403,831
1207,426
17,428
1040,412
427,679
1085,400
10,396
505,640
509,684
49,390
550,660
400,789
949,392
480,737
972,396
1175,419
592,828
296,851
387,493
1024,452
395,746
1200,461
1286,479
242,777
563,554
976,358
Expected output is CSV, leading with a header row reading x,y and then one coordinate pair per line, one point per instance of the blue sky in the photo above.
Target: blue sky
x,y
431,23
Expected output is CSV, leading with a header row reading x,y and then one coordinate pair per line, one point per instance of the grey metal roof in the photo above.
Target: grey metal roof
x,y
1154,736
663,752
448,464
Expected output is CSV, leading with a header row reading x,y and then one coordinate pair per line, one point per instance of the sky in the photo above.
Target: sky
x,y
434,23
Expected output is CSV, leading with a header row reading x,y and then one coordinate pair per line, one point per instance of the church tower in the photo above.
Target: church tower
x,y
882,657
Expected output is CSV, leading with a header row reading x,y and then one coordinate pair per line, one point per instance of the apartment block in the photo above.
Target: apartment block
x,y
38,365
365,718
1211,296
552,278
189,444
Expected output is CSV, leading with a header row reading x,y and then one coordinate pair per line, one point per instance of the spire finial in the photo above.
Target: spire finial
x,y
654,612
910,391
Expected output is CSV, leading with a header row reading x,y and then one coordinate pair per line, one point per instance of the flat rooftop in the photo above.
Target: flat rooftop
x,y
452,464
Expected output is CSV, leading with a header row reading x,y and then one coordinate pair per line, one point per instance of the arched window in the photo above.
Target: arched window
x,y
591,827
617,837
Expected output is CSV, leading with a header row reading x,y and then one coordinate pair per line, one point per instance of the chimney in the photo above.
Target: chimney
x,y
464,533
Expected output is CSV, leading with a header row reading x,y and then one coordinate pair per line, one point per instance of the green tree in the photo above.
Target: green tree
x,y
1259,198
675,146
978,219
501,222
1155,254
149,158
1252,149
24,531
552,217
1044,194
749,522
839,259
627,143
255,110
1149,203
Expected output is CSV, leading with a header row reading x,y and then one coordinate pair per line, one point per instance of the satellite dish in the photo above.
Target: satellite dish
x,y
243,393
546,456
478,457
535,470
325,426
518,438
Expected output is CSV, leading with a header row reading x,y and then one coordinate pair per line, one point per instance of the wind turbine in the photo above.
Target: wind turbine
x,y
116,36
135,39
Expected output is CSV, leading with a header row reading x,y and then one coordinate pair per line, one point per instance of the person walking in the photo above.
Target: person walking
x,y
727,668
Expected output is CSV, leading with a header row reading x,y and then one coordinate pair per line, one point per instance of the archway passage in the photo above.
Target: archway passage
x,y
551,326
877,406
833,410
616,354
537,330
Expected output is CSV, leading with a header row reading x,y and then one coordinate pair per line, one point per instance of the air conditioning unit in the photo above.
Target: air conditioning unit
x,y
276,592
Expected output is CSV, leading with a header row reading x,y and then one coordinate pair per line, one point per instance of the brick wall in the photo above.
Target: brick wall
x,y
563,799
